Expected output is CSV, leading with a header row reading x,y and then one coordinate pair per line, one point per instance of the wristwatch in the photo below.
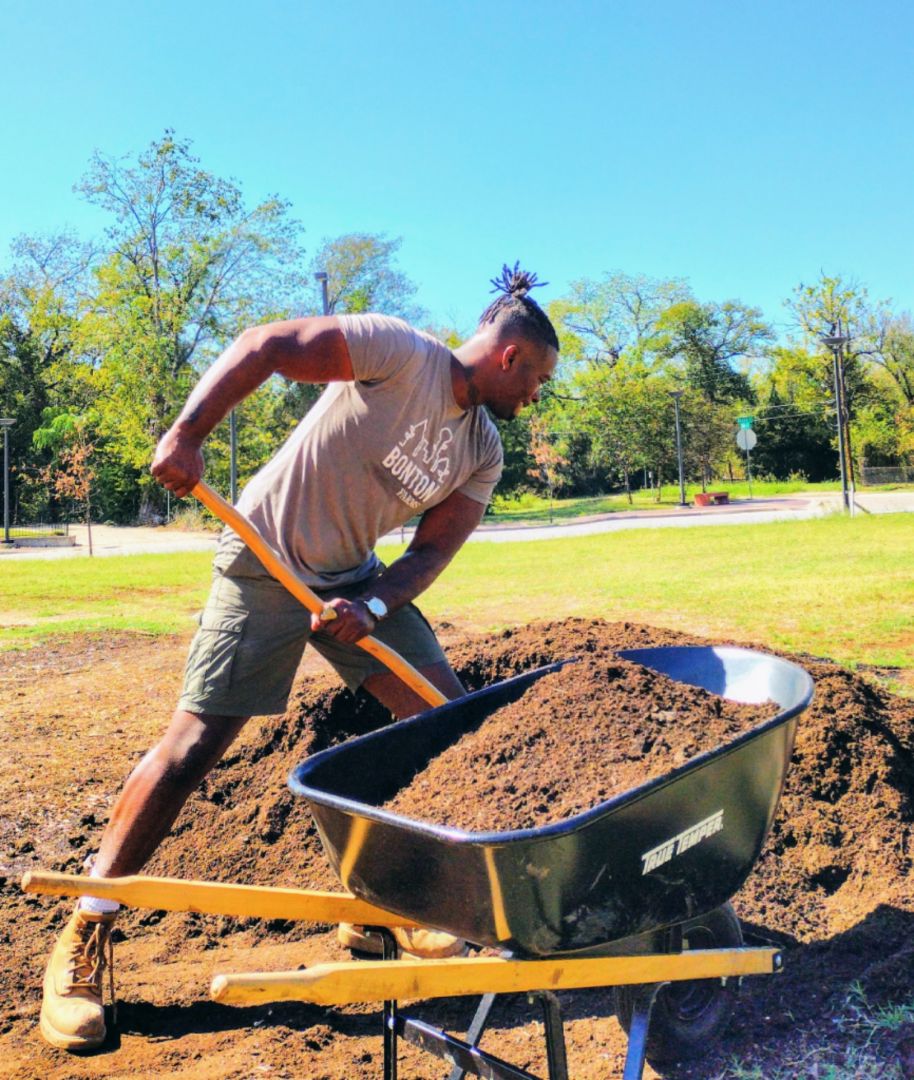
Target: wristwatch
x,y
376,606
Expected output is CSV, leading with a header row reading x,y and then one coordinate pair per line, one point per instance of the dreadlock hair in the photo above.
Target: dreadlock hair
x,y
517,312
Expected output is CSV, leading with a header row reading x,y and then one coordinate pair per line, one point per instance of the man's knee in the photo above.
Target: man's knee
x,y
194,742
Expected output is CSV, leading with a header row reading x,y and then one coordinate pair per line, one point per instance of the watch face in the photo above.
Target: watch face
x,y
377,607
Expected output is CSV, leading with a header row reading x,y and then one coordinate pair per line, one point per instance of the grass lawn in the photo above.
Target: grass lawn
x,y
835,587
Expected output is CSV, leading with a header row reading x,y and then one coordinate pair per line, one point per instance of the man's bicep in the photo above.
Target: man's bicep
x,y
312,350
447,526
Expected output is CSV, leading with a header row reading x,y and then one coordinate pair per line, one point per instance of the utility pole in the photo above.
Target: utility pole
x,y
676,395
836,342
321,276
6,423
233,457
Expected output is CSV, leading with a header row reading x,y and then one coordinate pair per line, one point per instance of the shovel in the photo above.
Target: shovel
x,y
274,564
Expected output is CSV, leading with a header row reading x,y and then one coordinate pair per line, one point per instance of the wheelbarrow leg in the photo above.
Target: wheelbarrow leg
x,y
637,1036
555,1035
475,1030
390,951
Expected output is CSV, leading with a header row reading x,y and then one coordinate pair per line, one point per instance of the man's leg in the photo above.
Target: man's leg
x,y
72,1014
158,788
395,695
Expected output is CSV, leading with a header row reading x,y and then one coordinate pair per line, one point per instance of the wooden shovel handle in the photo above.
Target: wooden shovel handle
x,y
274,563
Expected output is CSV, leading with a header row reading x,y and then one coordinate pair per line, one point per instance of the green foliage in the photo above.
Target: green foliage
x,y
706,340
794,433
896,355
362,275
628,414
189,267
118,332
598,321
833,304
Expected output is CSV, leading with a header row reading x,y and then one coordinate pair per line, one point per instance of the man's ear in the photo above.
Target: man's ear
x,y
508,356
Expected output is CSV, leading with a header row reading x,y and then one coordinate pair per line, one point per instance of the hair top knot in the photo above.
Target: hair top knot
x,y
513,311
515,282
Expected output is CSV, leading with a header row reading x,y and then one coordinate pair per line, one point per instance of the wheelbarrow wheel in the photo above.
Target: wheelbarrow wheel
x,y
688,1017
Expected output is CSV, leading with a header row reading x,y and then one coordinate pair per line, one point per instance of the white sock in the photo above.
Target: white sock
x,y
98,905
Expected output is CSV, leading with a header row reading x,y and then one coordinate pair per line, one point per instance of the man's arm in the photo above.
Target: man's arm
x,y
305,350
441,533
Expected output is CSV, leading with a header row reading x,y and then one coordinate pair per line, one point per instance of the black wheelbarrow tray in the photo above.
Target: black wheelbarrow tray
x,y
675,847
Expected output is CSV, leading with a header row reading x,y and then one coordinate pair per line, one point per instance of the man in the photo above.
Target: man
x,y
400,430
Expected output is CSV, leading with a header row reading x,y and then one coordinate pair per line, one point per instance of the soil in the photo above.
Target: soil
x,y
576,738
833,886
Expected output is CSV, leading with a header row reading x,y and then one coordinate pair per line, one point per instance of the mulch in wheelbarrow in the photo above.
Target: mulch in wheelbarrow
x,y
576,738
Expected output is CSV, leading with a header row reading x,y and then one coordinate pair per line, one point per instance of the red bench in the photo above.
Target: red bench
x,y
712,498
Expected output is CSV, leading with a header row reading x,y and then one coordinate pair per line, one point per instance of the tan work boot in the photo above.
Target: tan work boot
x,y
413,941
72,1013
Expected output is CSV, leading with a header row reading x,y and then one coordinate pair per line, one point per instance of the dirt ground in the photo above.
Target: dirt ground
x,y
833,887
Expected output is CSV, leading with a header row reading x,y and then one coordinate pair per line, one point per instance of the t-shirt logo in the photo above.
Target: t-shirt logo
x,y
420,465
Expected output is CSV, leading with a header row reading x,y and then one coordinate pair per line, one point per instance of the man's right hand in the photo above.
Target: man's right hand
x,y
178,462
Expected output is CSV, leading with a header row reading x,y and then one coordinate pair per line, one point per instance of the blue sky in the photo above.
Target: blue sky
x,y
743,146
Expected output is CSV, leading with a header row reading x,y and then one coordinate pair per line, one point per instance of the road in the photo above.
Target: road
x,y
113,540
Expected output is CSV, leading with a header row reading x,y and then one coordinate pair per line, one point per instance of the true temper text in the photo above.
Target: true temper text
x,y
678,844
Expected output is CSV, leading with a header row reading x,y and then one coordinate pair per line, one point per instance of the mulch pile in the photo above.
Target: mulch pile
x,y
576,738
837,865
833,886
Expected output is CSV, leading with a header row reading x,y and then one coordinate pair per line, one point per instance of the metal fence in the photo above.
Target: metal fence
x,y
873,475
38,529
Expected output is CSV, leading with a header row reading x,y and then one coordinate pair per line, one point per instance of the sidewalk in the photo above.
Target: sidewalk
x,y
119,540
116,540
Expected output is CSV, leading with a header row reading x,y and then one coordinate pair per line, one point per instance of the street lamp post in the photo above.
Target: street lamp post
x,y
6,423
836,342
321,276
233,457
676,395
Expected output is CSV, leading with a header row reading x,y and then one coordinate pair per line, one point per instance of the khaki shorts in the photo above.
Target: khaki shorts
x,y
251,636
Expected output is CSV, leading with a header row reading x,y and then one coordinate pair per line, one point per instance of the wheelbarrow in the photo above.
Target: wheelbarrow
x,y
631,894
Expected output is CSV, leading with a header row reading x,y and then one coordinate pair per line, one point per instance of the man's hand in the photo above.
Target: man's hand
x,y
350,622
178,462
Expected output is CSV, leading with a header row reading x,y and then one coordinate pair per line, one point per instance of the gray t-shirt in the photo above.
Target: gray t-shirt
x,y
369,455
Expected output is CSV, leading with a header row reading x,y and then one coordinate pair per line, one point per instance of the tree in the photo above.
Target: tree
x,y
896,355
72,473
706,339
832,302
707,434
794,437
819,309
548,454
625,412
600,320
40,300
190,265
362,275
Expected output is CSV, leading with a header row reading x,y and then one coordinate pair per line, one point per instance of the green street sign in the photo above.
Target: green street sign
x,y
745,422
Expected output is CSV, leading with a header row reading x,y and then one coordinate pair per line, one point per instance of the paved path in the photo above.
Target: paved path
x,y
117,540
112,540
744,511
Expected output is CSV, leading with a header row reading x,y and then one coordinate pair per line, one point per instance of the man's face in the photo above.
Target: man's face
x,y
524,368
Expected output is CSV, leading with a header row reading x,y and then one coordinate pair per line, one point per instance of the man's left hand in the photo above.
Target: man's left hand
x,y
350,620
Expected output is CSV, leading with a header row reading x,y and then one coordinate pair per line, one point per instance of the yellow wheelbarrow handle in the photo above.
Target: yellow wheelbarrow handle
x,y
273,562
